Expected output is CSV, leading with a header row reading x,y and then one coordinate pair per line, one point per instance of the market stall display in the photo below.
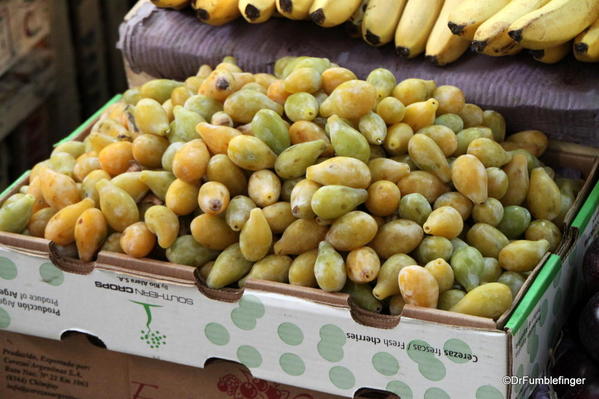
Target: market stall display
x,y
324,212
393,192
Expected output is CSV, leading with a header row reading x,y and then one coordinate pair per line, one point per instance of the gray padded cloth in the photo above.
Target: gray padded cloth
x,y
561,100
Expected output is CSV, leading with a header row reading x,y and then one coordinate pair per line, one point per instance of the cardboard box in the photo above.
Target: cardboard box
x,y
291,335
35,368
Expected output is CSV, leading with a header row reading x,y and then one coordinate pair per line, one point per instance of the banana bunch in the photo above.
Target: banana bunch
x,y
442,30
550,29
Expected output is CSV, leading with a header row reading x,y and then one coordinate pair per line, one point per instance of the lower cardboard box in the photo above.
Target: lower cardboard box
x,y
75,368
298,336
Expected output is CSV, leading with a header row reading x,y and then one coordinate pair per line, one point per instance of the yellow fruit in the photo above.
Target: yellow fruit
x,y
91,230
61,226
137,240
213,198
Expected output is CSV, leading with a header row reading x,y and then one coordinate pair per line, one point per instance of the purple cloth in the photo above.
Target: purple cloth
x,y
562,100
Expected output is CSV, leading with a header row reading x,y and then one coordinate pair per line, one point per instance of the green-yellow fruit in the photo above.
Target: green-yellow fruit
x,y
301,236
491,270
301,271
488,300
427,155
255,238
117,205
352,230
346,141
270,268
157,181
361,295
513,280
329,268
187,251
344,171
522,255
468,265
238,211
333,201
14,216
373,127
294,160
487,239
449,298
269,127
544,197
387,283
228,268
351,100
250,153
397,236
164,223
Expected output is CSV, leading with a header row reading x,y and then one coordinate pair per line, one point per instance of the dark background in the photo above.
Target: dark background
x,y
63,65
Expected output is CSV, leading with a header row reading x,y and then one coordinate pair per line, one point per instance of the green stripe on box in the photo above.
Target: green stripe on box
x,y
13,184
89,120
588,208
534,293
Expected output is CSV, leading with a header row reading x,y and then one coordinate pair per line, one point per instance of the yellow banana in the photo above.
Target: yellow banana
x,y
491,37
294,9
174,4
380,21
470,14
353,26
555,23
442,46
216,12
552,55
329,13
256,11
415,26
503,48
586,44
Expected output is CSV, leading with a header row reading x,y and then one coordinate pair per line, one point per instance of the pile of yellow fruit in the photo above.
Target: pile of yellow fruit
x,y
393,192
441,29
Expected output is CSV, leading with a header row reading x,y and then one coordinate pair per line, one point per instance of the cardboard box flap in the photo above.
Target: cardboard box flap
x,y
25,244
68,264
367,318
317,295
445,317
226,294
148,268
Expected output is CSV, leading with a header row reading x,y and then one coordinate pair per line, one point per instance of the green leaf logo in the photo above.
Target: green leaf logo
x,y
153,338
